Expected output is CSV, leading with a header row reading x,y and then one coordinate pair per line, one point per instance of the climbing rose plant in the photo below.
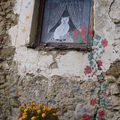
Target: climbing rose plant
x,y
101,102
35,111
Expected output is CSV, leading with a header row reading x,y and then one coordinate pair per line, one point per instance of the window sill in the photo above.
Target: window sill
x,y
59,46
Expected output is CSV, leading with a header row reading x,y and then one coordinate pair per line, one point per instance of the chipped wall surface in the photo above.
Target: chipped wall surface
x,y
68,78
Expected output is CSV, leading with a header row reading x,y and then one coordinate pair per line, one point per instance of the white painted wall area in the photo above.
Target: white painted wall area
x,y
70,64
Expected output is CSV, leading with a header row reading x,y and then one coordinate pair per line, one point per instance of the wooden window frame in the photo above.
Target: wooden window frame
x,y
36,31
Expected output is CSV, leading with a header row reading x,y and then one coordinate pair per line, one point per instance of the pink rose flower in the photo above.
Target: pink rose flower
x,y
83,27
101,113
99,63
86,117
104,43
104,94
88,70
75,32
93,102
85,40
82,33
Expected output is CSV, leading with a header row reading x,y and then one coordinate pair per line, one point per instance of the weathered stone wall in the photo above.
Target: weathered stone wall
x,y
7,20
57,77
112,78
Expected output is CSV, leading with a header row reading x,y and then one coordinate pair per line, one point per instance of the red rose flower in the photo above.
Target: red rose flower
x,y
93,102
85,40
99,63
75,32
101,113
82,33
104,43
104,94
83,27
86,117
91,32
88,70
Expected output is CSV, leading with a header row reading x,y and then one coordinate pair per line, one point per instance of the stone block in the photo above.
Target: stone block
x,y
2,13
7,52
110,79
114,89
14,102
7,5
118,81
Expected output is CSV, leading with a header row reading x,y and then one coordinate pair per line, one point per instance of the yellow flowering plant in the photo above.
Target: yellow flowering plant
x,y
35,111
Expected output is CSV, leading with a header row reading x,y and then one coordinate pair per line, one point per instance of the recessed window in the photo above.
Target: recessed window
x,y
64,23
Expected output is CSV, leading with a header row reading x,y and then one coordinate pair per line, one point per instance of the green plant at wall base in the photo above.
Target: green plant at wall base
x,y
37,112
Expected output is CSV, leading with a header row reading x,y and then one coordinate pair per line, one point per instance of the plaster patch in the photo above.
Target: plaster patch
x,y
29,61
68,66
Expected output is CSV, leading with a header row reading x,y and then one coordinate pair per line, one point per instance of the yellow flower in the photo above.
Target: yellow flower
x,y
32,101
25,113
25,110
40,105
32,104
44,108
33,118
24,117
43,115
56,107
19,114
20,119
54,114
49,108
20,107
38,111
35,108
28,107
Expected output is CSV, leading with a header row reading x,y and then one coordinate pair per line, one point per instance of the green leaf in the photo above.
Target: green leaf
x,y
99,68
95,43
100,46
90,57
100,77
89,43
90,38
91,63
103,102
94,65
105,86
79,39
92,91
97,37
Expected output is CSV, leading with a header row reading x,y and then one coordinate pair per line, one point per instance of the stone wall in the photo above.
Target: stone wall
x,y
7,20
112,78
58,77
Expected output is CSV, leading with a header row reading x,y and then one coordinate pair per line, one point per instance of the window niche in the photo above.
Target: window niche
x,y
62,24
